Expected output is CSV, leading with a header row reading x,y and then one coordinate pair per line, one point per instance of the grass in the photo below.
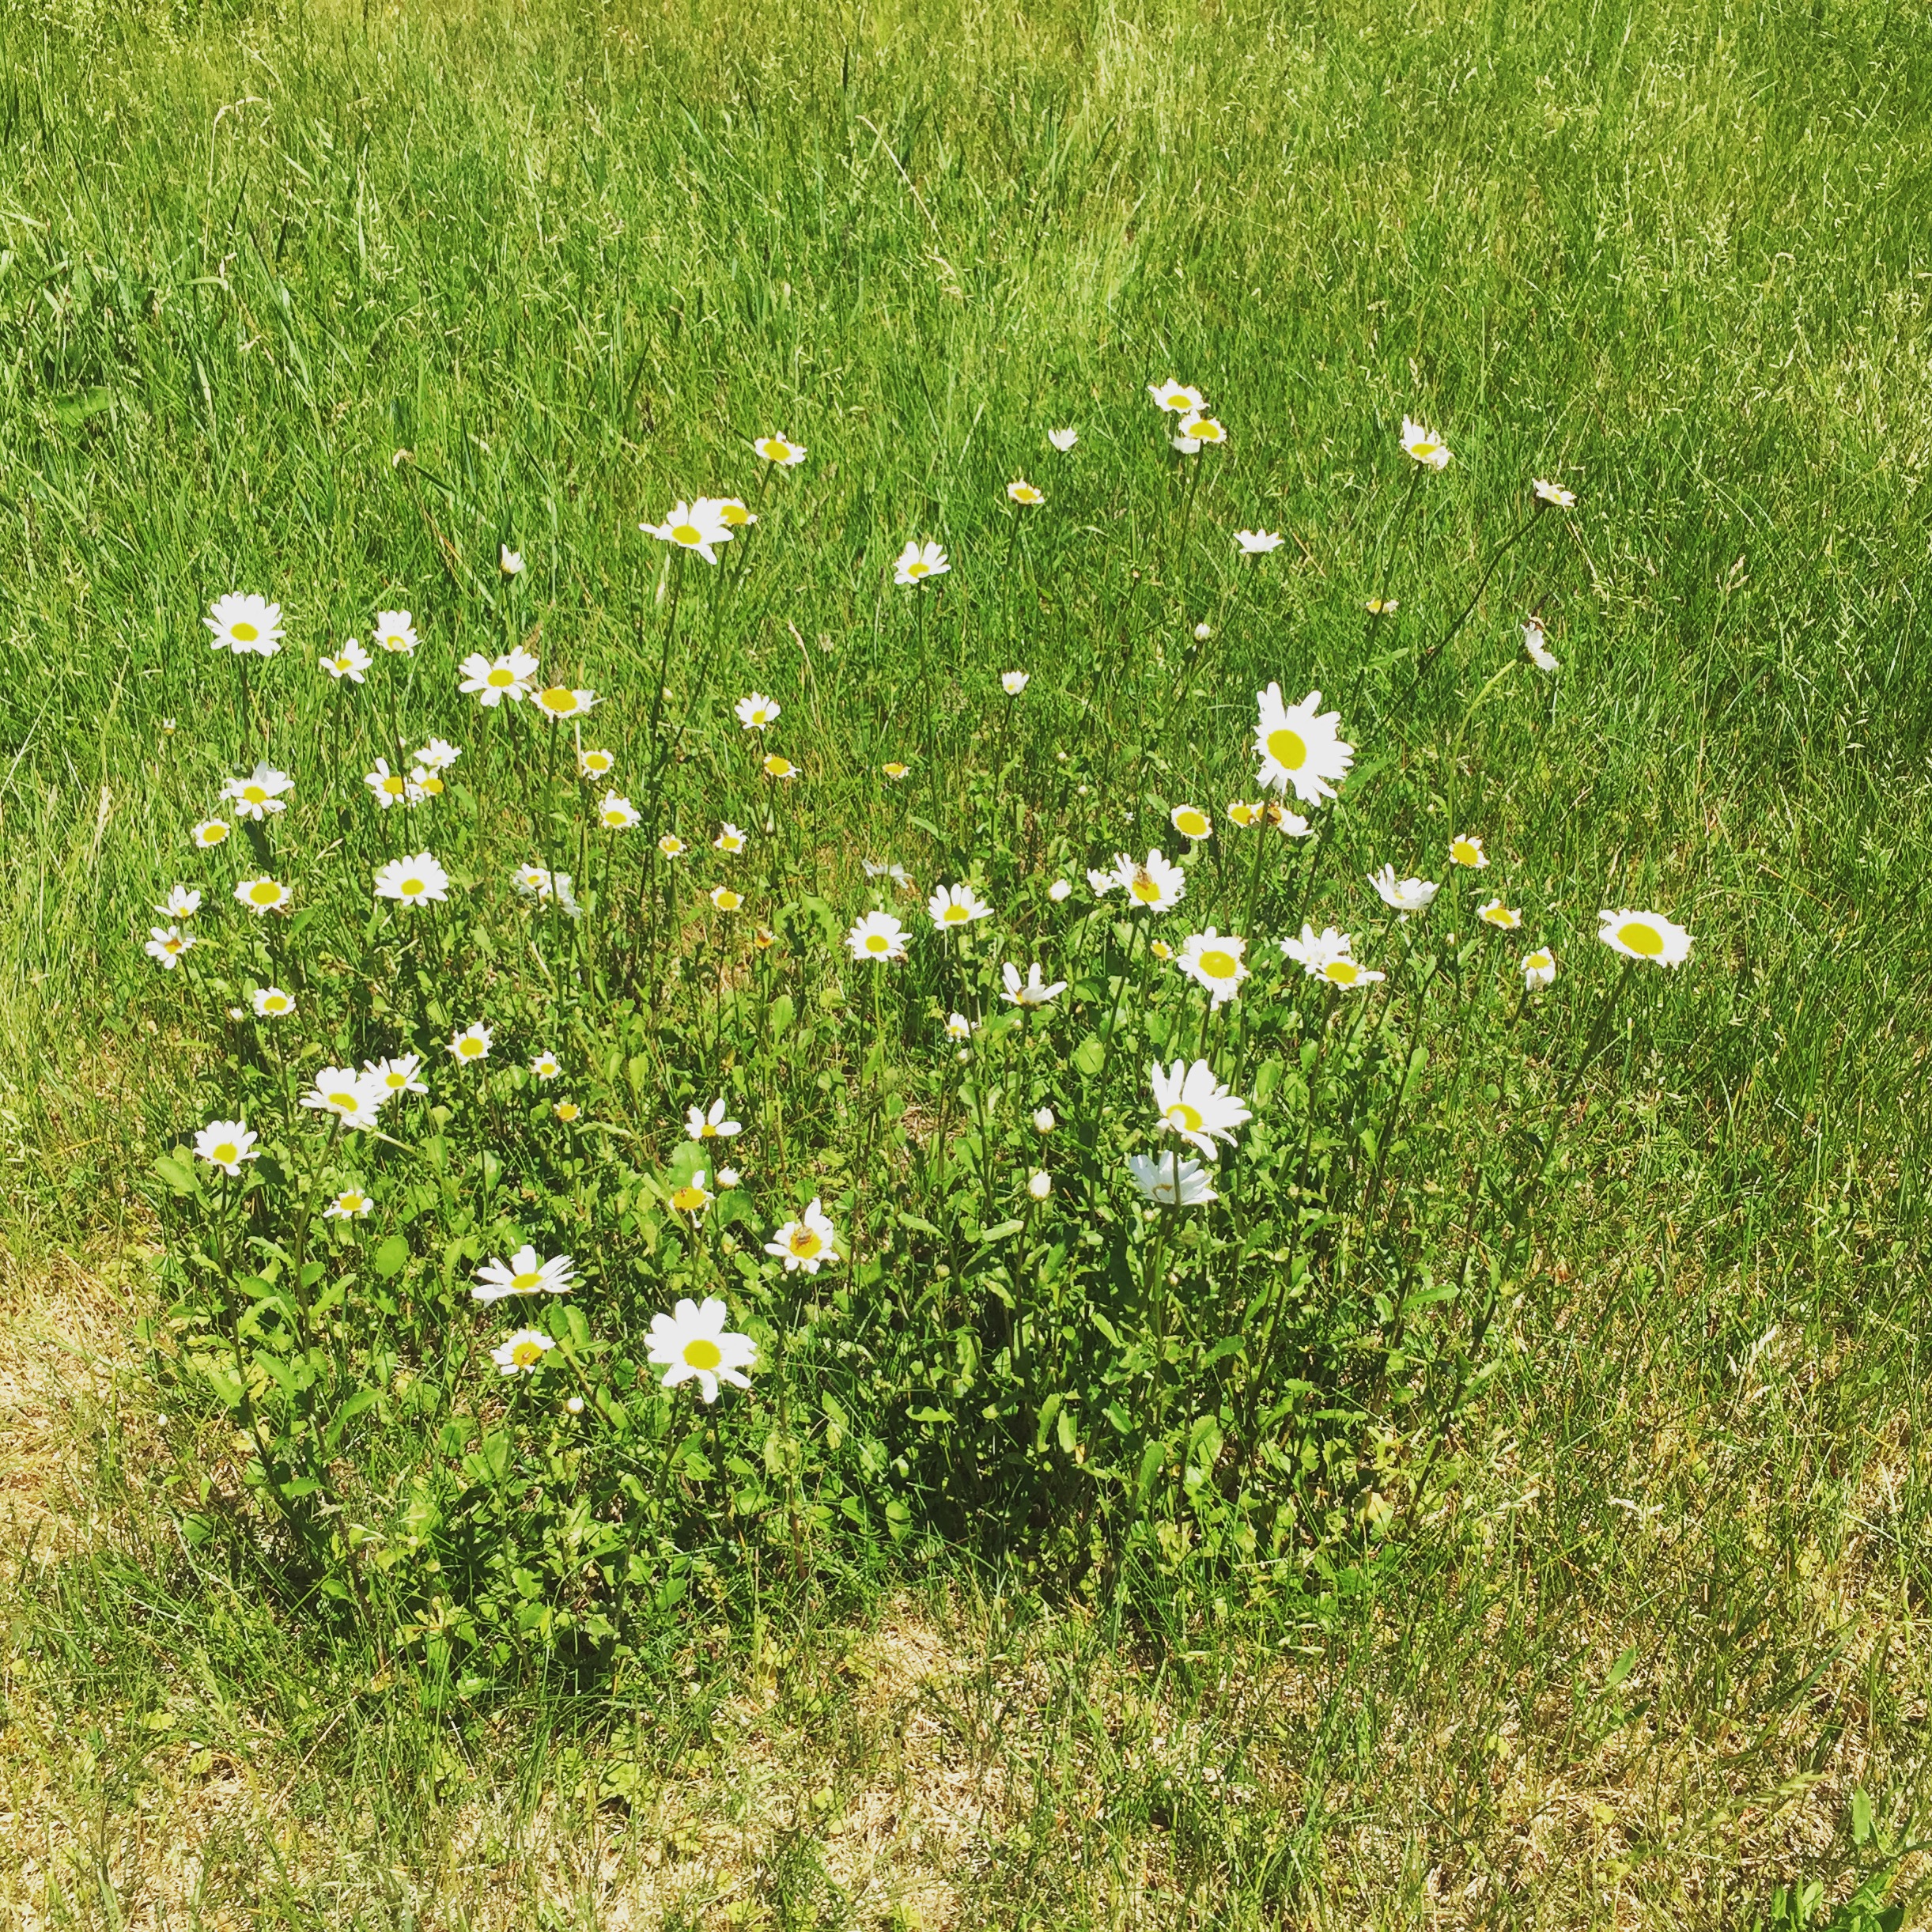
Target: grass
x,y
1656,1655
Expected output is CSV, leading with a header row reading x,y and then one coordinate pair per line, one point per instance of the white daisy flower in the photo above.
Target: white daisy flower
x,y
695,1345
395,631
1170,1181
1555,493
261,795
509,562
398,1075
1299,746
1034,991
417,880
167,944
1013,683
1024,492
698,526
1496,913
596,763
523,1354
271,1002
226,1144
1060,890
758,713
1063,439
262,895
350,1204
1176,397
391,788
1537,644
353,1098
958,1027
1193,1103
1191,822
809,1242
438,754
952,908
545,1066
559,701
616,813
711,1125
878,936
731,838
1216,961
1156,884
490,680
1403,896
1648,937
1424,445
472,1043
779,449
523,1274
1257,542
247,624
351,662
209,833
1326,956
1466,849
917,562
1538,968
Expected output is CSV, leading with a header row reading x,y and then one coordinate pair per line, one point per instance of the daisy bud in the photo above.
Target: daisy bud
x,y
1043,1121
1040,1186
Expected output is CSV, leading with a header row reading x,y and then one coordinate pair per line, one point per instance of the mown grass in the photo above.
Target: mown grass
x,y
1670,1623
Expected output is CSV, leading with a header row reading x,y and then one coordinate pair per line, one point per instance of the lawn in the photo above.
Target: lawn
x,y
1499,1498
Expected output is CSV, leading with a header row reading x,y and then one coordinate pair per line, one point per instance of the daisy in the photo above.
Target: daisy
x,y
566,1111
1538,968
350,1204
166,944
182,902
210,833
918,562
1060,890
958,1027
531,881
1170,1181
1063,439
1382,606
472,1043
545,1066
955,906
806,1242
417,880
1326,958
1257,542
391,788
226,1144
557,702
1158,885
730,838
1101,884
395,631
1176,396
259,795
1034,992
438,754
392,1077
1645,936
1537,645
1299,745
672,846
1403,896
735,514
616,813
1191,821
596,763
780,450
693,527
352,1097
246,625
1196,430
523,1274
1427,447
695,1343
728,1177
1496,913
1021,491
878,936
271,1002
1216,961
757,712
895,769
1193,1104
773,766
726,900
1040,1185
1555,493
701,1125
509,562
263,895
1161,950
693,1197
491,680
351,662
1466,849
1013,683
424,782
523,1354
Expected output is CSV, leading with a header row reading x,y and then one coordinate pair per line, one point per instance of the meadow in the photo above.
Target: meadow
x,y
965,963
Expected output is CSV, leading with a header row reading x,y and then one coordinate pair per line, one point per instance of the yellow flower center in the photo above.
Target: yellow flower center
x,y
468,1049
243,631
896,771
530,1279
1219,964
689,534
778,767
345,1102
955,915
1184,1116
411,888
500,676
527,1354
395,1081
804,1243
394,785
174,945
432,784
726,900
264,892
556,698
568,1110
1641,938
213,834
227,1153
254,794
1499,915
876,942
1287,749
1144,887
274,1004
1342,972
1191,824
917,570
702,1351
733,514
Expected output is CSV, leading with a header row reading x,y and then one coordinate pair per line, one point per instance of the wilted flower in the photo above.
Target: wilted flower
x,y
807,1242
1043,1122
917,562
1298,746
493,679
1193,1104
523,1354
226,1144
953,906
417,880
693,1197
757,712
1257,542
1427,447
1403,896
263,895
1035,991
1326,956
1382,606
351,662
509,562
1645,936
958,1027
472,1043
1170,1181
1041,1186
523,1274
699,1124
1216,961
695,1343
779,449
728,1177
878,936
895,769
260,794
697,526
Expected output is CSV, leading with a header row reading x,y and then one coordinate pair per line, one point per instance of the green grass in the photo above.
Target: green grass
x,y
1640,1657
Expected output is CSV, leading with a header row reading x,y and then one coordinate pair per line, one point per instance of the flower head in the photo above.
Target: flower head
x,y
1466,849
391,788
523,1354
395,631
1538,968
958,1027
735,514
353,1098
698,526
1191,822
1013,683
878,936
952,908
1215,960
1040,1185
351,661
1424,445
1060,890
558,702
1177,397
700,1123
209,832
731,838
1193,1103
248,626
695,1345
271,1002
166,944
693,1197
895,769
566,1111
1035,991
1326,956
417,880
592,764
263,895
523,1274
1257,542
471,1043
399,1076
1648,936
1299,746
1496,913
1156,884
350,1204
226,1144
1170,1181
1022,491
725,900
757,712
775,766
917,562
1403,896
1043,1121
261,794
808,1242
616,813
1555,493
545,1066
672,846
779,449
1063,439
438,754
1537,644
509,562
493,679
1196,430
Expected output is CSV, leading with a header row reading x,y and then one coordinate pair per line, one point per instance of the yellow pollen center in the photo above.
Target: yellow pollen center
x,y
410,888
1184,1116
1463,852
687,534
805,1244
500,676
1144,887
265,893
1287,749
702,1351
567,1109
470,1049
1218,965
527,1354
523,1284
1641,939
1342,972
346,1101
228,1153
245,631
917,570
876,942
955,915
254,794
1191,824
727,901
707,1131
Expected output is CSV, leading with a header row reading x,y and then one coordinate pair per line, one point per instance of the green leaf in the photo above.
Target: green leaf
x,y
1090,1055
390,1256
989,1235
1860,1816
781,1012
180,1179
1621,1669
